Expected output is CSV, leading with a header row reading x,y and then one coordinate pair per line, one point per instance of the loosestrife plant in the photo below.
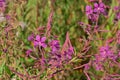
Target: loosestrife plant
x,y
98,58
104,64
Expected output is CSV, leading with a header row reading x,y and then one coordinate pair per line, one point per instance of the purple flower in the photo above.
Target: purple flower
x,y
28,52
116,8
118,15
55,61
40,41
68,53
2,5
87,66
2,0
55,46
99,8
99,66
89,10
31,37
106,52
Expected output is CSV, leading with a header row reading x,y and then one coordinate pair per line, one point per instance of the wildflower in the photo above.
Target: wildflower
x,y
2,5
40,41
106,52
7,17
68,53
99,8
89,12
28,52
55,46
55,60
99,66
87,66
31,37
117,13
116,8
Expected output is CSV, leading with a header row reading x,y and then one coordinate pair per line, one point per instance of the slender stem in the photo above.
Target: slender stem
x,y
88,78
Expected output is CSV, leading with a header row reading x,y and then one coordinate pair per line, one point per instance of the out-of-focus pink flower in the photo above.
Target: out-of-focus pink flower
x,y
31,37
28,52
2,5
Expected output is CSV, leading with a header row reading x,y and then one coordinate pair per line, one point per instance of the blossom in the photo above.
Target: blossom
x,y
31,37
28,52
90,14
117,13
89,10
40,41
55,60
106,52
99,8
98,66
55,46
68,53
2,5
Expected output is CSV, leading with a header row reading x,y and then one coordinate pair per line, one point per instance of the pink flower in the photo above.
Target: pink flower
x,y
40,41
28,52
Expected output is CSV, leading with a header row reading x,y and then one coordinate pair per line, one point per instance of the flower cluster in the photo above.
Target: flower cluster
x,y
105,53
54,59
93,13
2,5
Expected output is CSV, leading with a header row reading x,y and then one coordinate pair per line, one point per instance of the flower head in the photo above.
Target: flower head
x,y
2,5
99,8
68,53
89,10
55,46
40,41
28,52
106,52
31,37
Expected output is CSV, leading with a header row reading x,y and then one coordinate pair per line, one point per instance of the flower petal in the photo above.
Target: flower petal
x,y
96,5
43,39
35,43
38,38
43,45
